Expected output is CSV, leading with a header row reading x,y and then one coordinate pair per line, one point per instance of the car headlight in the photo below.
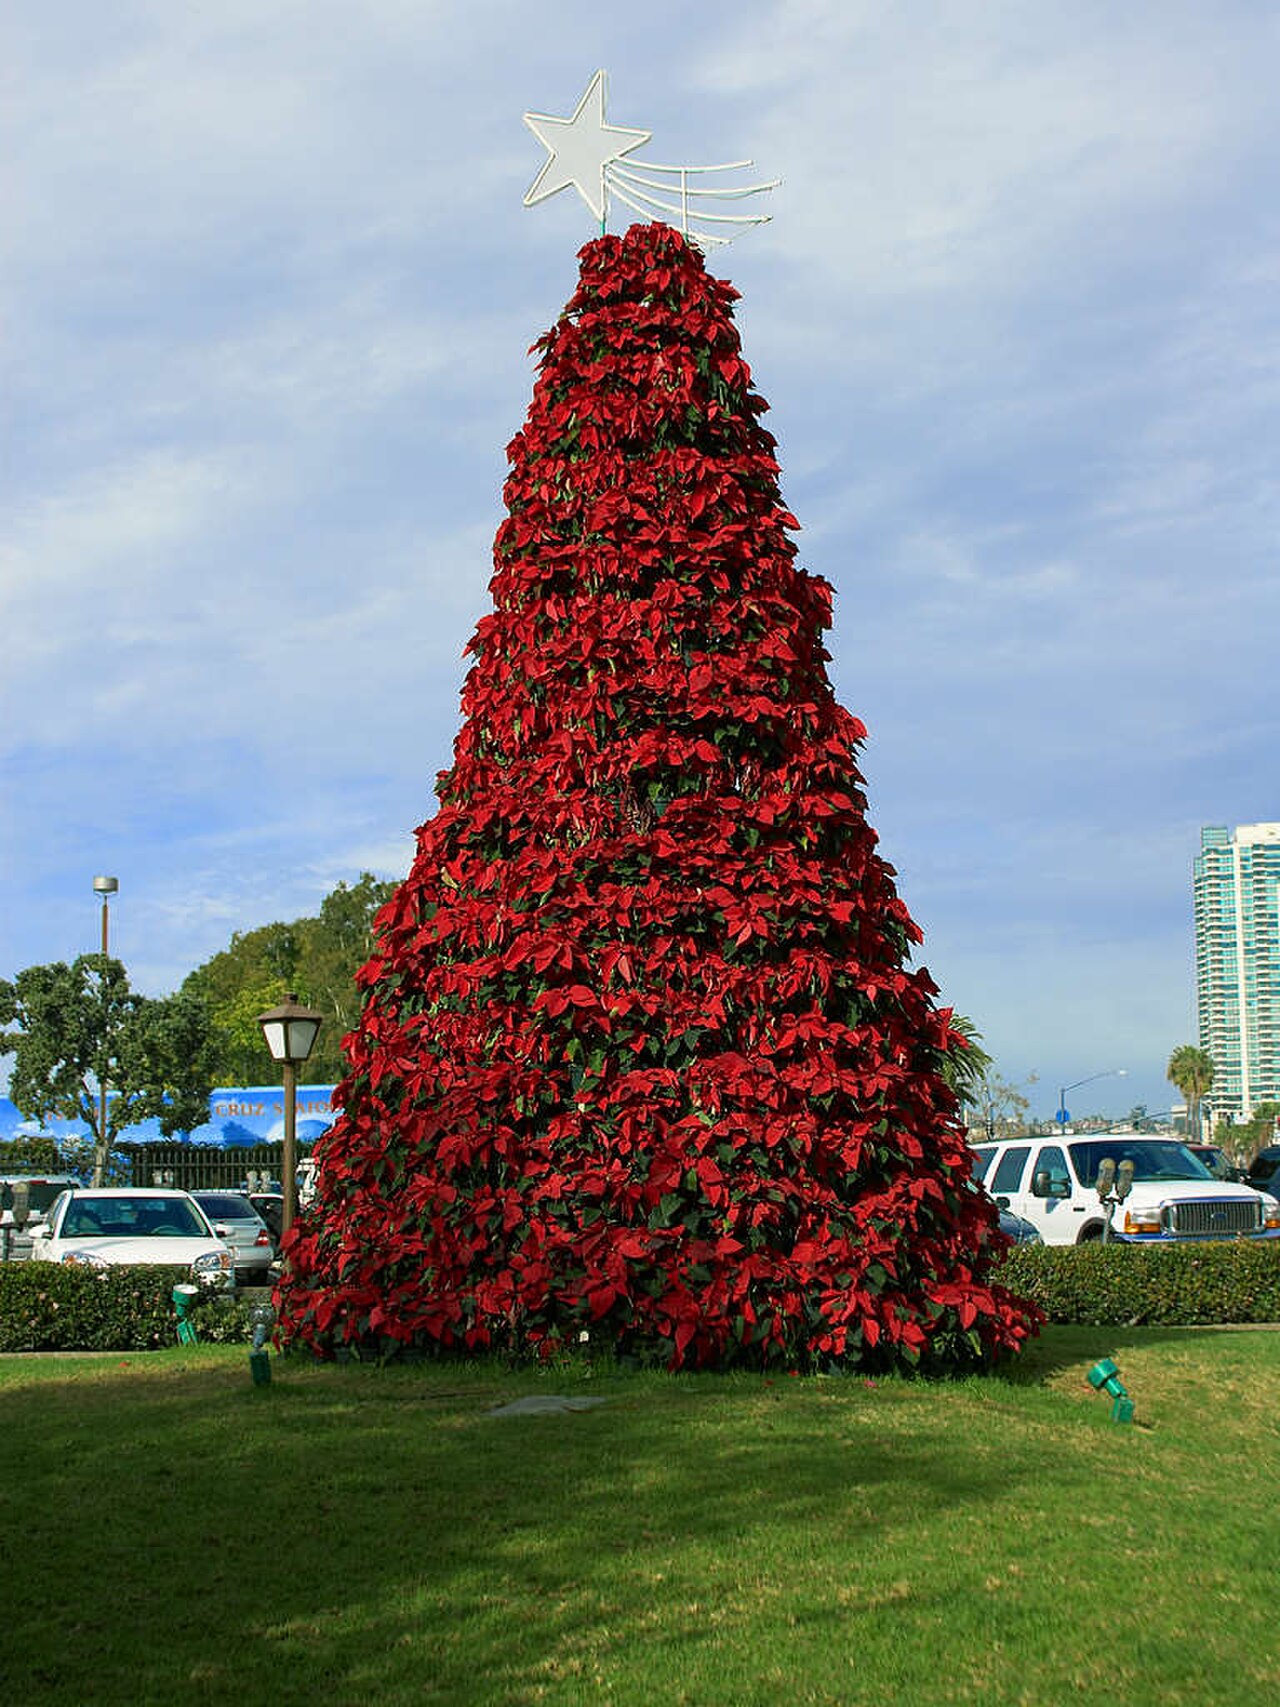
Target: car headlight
x,y
212,1267
84,1259
1270,1211
1146,1221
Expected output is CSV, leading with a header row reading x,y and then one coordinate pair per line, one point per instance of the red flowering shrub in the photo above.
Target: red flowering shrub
x,y
641,1057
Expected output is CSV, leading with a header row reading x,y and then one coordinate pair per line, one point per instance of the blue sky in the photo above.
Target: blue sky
x,y
267,290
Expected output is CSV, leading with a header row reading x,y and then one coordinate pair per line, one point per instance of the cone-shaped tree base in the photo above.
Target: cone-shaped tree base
x,y
642,1059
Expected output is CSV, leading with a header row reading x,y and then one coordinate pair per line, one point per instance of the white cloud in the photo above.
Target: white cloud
x,y
923,144
83,564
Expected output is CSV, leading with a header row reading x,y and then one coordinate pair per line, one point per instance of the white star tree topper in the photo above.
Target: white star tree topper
x,y
583,154
580,148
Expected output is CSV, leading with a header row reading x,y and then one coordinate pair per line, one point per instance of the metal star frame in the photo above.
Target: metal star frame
x,y
584,154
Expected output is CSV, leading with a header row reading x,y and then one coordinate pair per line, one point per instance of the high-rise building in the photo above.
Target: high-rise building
x,y
1237,899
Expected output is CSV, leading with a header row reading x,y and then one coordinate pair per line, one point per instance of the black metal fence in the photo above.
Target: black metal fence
x,y
192,1169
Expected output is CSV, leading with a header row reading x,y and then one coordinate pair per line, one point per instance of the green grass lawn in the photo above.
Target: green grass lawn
x,y
353,1535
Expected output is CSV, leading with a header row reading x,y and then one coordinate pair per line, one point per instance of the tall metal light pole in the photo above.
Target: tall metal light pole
x,y
290,1031
106,887
1062,1116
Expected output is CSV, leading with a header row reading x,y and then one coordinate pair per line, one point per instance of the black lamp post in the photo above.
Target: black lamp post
x,y
290,1031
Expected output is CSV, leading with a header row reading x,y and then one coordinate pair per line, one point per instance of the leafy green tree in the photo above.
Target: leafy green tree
x,y
1190,1072
282,950
337,944
74,1028
21,1154
315,957
241,1055
1245,1138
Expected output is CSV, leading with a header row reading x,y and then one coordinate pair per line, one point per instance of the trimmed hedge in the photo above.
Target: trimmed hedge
x,y
1158,1285
50,1307
54,1307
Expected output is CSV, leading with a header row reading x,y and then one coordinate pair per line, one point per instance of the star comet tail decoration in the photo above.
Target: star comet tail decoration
x,y
584,153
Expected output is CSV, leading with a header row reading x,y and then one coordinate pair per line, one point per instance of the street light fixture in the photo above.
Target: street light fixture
x,y
106,887
290,1031
1110,1073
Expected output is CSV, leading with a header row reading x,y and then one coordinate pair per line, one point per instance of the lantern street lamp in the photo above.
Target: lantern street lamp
x,y
290,1031
106,887
1062,1117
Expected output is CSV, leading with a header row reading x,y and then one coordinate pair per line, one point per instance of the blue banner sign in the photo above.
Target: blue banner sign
x,y
240,1116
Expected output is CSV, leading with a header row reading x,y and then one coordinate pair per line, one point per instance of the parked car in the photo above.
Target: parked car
x,y
1217,1161
238,1224
39,1190
119,1225
270,1205
1053,1184
1020,1231
1264,1170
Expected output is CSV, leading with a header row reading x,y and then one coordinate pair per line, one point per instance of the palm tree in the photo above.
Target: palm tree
x,y
1190,1070
966,1063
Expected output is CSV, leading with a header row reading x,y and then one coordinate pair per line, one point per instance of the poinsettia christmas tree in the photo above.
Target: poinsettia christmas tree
x,y
642,1057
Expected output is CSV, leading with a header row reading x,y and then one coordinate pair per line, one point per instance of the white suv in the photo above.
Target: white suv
x,y
1052,1182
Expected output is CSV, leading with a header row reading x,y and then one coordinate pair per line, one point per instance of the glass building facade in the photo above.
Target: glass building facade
x,y
1237,910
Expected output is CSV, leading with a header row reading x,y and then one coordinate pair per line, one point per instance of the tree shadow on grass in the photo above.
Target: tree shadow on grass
x,y
359,1536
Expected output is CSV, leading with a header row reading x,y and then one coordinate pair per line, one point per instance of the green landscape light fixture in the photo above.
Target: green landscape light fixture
x,y
263,1318
290,1031
184,1296
1104,1377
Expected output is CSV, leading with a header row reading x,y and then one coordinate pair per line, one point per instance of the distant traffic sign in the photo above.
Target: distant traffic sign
x,y
1062,1116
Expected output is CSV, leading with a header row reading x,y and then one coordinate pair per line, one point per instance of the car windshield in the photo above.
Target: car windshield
x,y
226,1206
1152,1158
132,1218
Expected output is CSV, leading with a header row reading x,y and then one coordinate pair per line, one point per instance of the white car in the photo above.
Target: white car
x,y
120,1225
239,1225
1053,1183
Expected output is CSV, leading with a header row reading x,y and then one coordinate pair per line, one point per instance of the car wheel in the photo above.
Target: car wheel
x,y
1091,1235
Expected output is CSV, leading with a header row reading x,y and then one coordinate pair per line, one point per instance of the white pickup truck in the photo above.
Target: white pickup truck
x,y
1053,1183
